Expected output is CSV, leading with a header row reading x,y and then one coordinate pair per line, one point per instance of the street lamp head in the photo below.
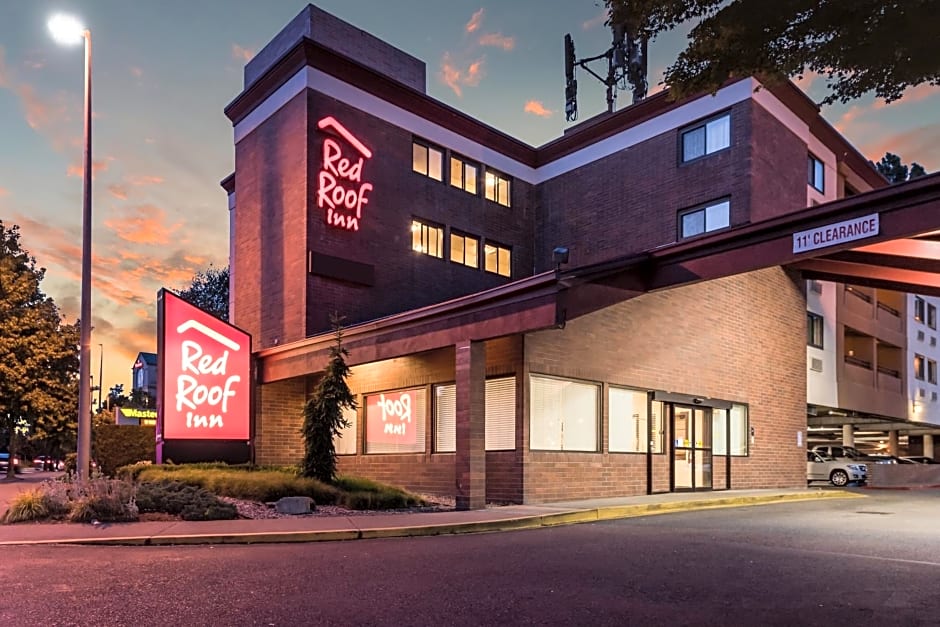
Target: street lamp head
x,y
66,29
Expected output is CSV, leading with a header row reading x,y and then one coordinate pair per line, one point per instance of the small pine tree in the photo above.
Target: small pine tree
x,y
323,413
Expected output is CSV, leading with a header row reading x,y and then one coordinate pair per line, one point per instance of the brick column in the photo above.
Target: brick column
x,y
470,373
893,442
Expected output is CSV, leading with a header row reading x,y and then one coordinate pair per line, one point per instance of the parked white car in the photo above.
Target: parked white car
x,y
837,472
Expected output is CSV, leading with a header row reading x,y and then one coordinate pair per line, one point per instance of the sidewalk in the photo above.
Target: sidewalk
x,y
331,528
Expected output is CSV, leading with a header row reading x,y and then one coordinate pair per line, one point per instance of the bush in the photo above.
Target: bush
x,y
119,445
187,501
28,505
100,498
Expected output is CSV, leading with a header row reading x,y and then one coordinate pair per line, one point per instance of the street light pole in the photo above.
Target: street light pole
x,y
68,30
100,374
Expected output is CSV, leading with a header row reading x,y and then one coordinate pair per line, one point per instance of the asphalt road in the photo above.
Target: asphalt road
x,y
873,561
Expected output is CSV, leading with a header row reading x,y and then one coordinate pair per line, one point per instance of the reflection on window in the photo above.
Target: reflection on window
x,y
816,174
463,175
427,239
496,259
497,188
428,161
711,217
465,249
706,138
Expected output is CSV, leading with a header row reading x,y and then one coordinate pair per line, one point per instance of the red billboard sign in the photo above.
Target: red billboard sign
x,y
205,374
390,418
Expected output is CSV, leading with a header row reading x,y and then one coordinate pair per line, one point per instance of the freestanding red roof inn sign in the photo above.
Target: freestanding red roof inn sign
x,y
204,383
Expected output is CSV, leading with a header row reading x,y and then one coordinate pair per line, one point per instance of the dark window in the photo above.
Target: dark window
x,y
931,316
816,174
919,309
814,330
707,137
931,371
919,367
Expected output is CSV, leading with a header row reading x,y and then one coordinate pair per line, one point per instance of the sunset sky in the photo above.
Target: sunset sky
x,y
163,72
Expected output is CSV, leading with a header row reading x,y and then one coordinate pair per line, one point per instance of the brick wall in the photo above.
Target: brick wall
x,y
278,419
628,202
778,167
739,339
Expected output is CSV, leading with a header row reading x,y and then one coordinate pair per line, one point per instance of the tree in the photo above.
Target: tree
x,y
323,413
895,171
859,45
209,291
38,353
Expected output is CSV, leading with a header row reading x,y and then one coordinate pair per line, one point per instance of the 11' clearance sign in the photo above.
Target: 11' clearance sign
x,y
341,192
205,374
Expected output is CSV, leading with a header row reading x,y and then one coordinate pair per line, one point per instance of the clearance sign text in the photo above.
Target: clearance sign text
x,y
838,233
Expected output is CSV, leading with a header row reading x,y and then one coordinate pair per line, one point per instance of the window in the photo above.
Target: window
x,y
497,188
816,174
706,138
496,258
932,316
465,249
814,330
427,239
739,431
345,441
629,426
931,371
711,217
919,309
395,422
500,410
463,175
427,160
919,367
563,415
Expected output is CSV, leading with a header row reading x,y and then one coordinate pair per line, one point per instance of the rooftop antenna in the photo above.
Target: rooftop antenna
x,y
626,65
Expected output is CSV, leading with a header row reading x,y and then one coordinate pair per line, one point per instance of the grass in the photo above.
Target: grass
x,y
266,484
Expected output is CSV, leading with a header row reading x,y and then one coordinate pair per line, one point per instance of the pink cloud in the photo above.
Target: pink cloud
x,y
913,94
596,21
474,22
78,170
144,179
240,53
136,72
145,224
118,191
457,77
537,108
4,192
918,144
498,40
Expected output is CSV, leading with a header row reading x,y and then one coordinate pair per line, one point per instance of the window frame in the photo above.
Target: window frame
x,y
812,162
931,316
428,148
660,447
465,164
488,243
421,441
451,386
920,367
703,209
814,320
498,177
703,125
464,236
745,434
931,371
424,227
598,414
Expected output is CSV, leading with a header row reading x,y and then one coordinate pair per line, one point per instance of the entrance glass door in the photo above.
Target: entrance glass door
x,y
692,448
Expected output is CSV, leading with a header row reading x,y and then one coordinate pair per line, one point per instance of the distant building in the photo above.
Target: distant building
x,y
144,375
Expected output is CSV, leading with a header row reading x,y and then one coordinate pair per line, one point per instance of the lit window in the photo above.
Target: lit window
x,y
814,330
737,424
428,161
629,427
706,138
919,308
816,174
463,175
499,410
919,362
465,249
564,415
427,239
711,217
496,259
344,442
497,188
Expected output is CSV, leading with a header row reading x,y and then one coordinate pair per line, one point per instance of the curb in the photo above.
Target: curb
x,y
614,512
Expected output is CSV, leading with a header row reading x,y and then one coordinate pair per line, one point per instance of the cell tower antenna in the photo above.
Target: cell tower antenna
x,y
626,65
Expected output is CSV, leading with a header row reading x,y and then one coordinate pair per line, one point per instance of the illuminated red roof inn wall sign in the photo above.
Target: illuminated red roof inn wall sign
x,y
392,417
341,193
205,368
